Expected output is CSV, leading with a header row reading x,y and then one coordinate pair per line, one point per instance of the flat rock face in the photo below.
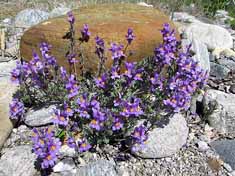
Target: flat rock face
x,y
17,161
226,150
222,110
98,168
39,117
7,89
166,141
110,22
212,35
30,17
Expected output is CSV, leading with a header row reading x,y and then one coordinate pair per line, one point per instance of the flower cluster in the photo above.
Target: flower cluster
x,y
107,108
46,146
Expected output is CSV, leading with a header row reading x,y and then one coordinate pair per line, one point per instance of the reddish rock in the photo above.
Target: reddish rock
x,y
110,22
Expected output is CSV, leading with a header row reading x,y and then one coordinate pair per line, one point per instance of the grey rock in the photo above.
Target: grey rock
x,y
220,110
98,168
201,52
230,64
59,11
39,117
228,167
184,17
226,150
212,36
166,141
67,151
66,165
219,71
30,17
17,161
232,88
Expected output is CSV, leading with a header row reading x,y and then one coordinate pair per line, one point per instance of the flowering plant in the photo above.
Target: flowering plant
x,y
108,107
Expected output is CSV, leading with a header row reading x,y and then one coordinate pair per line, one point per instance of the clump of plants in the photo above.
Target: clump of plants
x,y
106,108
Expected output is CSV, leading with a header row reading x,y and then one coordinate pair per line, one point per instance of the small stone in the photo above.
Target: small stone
x,y
66,165
39,117
227,167
202,146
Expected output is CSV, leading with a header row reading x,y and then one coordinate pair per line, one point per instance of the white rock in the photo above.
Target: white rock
x,y
202,146
59,11
144,4
66,165
212,36
217,52
201,52
30,17
18,161
67,151
166,141
220,110
184,17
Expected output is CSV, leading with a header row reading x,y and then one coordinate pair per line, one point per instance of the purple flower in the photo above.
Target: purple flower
x,y
82,101
117,52
84,145
60,117
96,124
117,124
68,111
16,75
98,114
139,134
85,33
100,82
130,36
100,48
139,137
46,146
45,49
72,87
71,142
83,113
71,18
132,109
115,72
71,59
129,69
16,109
63,73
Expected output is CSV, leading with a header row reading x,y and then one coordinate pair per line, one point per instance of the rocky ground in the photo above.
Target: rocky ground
x,y
200,144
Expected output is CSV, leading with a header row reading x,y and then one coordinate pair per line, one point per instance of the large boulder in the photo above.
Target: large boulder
x,y
200,50
7,90
18,161
220,110
30,17
226,150
166,141
212,35
110,22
